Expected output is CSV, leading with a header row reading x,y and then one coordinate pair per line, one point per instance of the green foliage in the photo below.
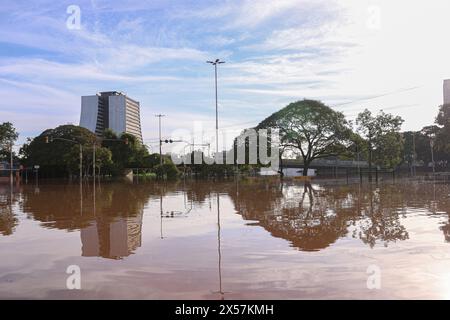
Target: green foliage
x,y
152,160
167,170
126,152
310,128
8,135
443,135
389,150
61,155
383,139
443,117
57,157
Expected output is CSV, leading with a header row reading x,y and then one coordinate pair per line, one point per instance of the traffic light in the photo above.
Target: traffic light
x,y
168,141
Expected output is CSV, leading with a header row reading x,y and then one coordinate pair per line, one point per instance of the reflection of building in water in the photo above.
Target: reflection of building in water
x,y
112,239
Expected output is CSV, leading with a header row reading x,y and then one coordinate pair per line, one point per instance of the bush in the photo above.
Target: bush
x,y
166,170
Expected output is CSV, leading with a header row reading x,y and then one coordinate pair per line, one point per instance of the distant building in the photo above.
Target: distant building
x,y
111,110
447,91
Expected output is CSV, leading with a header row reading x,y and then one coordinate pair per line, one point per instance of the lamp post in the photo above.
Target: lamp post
x,y
432,154
11,164
215,63
160,141
93,160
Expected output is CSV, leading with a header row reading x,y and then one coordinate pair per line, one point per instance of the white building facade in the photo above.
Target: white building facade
x,y
111,110
447,91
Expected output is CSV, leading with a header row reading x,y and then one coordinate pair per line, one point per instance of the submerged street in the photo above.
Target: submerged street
x,y
237,239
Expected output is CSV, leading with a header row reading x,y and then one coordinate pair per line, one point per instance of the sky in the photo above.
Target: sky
x,y
350,54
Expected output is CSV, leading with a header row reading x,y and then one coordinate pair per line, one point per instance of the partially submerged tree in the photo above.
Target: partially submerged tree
x,y
8,135
312,129
382,135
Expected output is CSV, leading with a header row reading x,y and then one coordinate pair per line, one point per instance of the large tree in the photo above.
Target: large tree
x,y
310,128
443,136
8,135
382,135
55,158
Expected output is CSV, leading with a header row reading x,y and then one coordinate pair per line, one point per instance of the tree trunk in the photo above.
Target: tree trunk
x,y
280,154
305,167
370,159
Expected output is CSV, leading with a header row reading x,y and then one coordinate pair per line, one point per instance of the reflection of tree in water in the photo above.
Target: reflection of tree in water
x,y
110,226
8,219
432,198
441,204
298,213
59,206
381,213
312,218
198,191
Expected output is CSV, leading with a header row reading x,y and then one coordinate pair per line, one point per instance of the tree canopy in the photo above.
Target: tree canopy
x,y
57,152
8,135
382,135
311,129
54,152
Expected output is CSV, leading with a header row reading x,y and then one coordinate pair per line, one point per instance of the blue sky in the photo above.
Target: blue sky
x,y
351,54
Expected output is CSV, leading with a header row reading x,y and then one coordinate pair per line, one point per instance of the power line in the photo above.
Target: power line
x,y
378,96
336,105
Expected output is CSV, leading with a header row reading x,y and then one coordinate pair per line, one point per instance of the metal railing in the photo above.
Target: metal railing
x,y
328,163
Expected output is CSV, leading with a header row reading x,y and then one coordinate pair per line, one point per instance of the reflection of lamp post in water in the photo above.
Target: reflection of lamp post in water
x,y
431,133
161,214
432,154
218,246
11,166
219,251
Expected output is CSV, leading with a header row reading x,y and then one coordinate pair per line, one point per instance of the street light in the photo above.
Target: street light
x,y
160,141
430,132
11,162
215,63
432,154
94,147
11,165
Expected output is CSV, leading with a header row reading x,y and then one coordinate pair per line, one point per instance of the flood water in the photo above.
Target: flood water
x,y
247,239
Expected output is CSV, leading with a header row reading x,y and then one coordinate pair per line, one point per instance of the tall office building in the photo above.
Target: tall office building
x,y
111,110
447,91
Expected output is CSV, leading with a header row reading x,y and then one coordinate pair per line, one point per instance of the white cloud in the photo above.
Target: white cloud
x,y
39,69
277,51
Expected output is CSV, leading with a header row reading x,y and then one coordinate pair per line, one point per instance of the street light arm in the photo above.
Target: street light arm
x,y
63,139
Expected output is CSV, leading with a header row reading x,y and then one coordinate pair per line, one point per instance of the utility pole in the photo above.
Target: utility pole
x,y
11,164
81,162
414,155
93,161
215,63
160,141
432,154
